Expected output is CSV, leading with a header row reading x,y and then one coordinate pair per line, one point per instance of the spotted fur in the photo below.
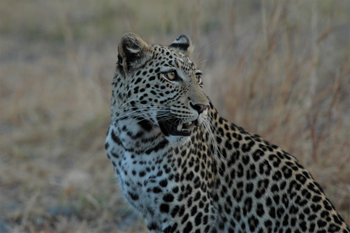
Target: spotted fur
x,y
186,169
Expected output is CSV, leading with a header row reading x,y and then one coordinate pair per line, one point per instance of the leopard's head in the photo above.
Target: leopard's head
x,y
160,85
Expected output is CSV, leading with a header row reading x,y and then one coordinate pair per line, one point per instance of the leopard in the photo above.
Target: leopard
x,y
185,168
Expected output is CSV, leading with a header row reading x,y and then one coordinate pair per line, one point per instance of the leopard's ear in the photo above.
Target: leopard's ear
x,y
183,44
133,52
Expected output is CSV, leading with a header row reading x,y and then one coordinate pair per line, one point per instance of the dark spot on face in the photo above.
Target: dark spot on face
x,y
168,197
164,208
163,183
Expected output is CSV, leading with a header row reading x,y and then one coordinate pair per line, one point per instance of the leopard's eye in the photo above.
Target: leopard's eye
x,y
170,75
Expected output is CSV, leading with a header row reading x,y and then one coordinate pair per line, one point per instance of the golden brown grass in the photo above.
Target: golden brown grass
x,y
276,68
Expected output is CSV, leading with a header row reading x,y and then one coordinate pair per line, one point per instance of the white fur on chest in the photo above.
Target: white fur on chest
x,y
138,173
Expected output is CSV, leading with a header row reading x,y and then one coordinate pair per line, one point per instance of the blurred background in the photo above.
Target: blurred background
x,y
277,68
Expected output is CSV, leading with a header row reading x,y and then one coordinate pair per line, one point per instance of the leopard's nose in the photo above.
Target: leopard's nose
x,y
199,107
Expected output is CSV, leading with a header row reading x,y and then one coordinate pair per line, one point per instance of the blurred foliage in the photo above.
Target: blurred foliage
x,y
277,68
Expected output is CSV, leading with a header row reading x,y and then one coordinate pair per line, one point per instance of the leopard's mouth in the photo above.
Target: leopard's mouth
x,y
176,127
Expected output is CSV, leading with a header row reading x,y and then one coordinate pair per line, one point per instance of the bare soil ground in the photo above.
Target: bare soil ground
x,y
277,68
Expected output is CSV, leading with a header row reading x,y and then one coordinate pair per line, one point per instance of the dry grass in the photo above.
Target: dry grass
x,y
277,68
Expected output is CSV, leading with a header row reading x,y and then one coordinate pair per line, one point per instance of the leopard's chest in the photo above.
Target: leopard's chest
x,y
142,176
143,181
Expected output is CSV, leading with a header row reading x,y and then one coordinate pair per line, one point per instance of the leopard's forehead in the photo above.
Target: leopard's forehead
x,y
173,58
